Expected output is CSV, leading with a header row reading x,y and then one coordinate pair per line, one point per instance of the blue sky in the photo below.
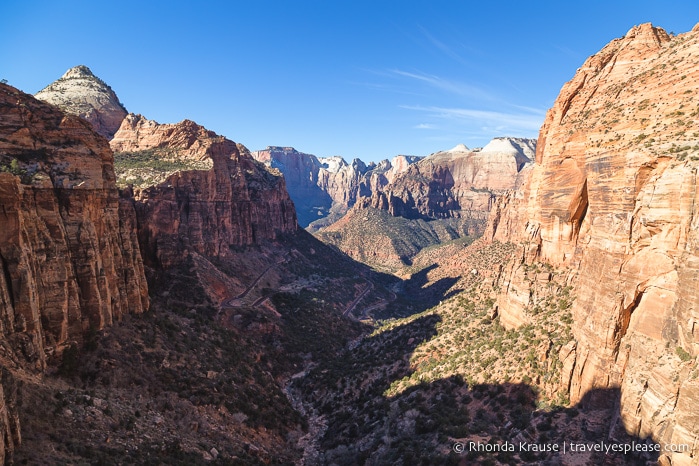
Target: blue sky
x,y
367,79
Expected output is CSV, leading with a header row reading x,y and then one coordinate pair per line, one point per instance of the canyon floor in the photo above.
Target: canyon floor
x,y
284,371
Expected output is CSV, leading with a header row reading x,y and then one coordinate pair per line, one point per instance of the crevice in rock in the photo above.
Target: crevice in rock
x,y
642,175
622,324
8,280
569,101
580,212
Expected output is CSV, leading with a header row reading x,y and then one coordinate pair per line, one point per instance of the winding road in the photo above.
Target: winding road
x,y
353,304
230,302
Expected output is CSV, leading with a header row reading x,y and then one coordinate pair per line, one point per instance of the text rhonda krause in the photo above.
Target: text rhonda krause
x,y
573,447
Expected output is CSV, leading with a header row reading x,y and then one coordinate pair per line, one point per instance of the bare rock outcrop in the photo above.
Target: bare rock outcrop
x,y
79,92
612,198
325,188
232,201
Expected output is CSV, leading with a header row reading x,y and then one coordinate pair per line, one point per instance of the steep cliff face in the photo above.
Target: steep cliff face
x,y
328,186
68,253
301,172
79,92
235,202
612,198
67,250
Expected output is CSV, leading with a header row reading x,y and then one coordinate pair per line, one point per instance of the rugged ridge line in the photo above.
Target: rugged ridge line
x,y
456,183
325,188
439,198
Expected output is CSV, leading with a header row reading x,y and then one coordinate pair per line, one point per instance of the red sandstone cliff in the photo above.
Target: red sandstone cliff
x,y
68,256
236,202
612,198
68,252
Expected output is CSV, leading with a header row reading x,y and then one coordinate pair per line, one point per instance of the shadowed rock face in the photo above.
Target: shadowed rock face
x,y
69,258
66,246
612,197
81,93
237,202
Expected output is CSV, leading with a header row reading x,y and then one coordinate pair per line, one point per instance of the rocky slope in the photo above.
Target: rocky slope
x,y
324,188
68,251
611,202
217,198
79,92
441,370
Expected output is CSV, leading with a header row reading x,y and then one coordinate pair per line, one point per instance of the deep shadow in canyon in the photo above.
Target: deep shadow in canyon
x,y
369,422
173,384
419,294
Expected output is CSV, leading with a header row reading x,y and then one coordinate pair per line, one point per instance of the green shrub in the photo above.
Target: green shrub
x,y
684,355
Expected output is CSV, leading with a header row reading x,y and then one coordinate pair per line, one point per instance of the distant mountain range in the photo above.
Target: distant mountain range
x,y
384,214
324,188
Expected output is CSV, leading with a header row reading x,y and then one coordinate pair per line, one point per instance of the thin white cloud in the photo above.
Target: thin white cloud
x,y
487,120
384,87
442,46
532,110
459,88
569,52
425,126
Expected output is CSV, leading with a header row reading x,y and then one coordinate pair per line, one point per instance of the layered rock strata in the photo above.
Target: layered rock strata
x,y
456,183
69,257
67,251
442,197
328,186
236,202
79,92
612,198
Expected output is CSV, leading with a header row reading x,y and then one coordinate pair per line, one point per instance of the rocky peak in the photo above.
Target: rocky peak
x,y
646,35
323,188
200,193
359,165
188,139
522,149
524,146
456,182
398,165
80,71
79,92
459,148
332,164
